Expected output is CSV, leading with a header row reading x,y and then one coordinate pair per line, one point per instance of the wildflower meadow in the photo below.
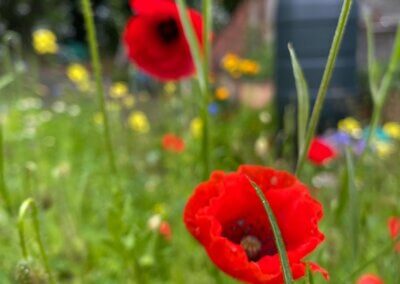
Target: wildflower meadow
x,y
156,149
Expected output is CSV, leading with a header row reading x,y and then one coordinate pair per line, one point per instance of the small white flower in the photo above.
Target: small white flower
x,y
45,116
261,147
74,110
154,222
29,103
265,117
59,107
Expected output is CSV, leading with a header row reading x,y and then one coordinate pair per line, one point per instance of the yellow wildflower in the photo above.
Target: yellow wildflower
x,y
384,149
119,90
138,122
249,67
230,62
128,101
98,118
196,127
351,126
44,41
392,129
222,93
170,88
160,208
77,73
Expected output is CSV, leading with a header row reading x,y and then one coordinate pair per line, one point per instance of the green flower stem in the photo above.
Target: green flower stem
x,y
3,187
287,273
23,210
326,78
201,62
380,94
94,52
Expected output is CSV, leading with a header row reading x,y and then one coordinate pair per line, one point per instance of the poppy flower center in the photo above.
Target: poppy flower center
x,y
253,234
168,30
251,246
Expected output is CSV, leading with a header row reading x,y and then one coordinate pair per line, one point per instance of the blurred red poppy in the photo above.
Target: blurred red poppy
x,y
173,143
321,152
369,279
155,40
165,230
225,215
394,229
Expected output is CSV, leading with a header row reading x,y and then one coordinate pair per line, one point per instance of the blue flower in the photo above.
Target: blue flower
x,y
213,108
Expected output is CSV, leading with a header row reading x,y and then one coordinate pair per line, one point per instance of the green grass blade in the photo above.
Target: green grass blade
x,y
303,99
384,88
326,78
353,203
287,273
310,277
372,64
343,197
374,259
394,64
97,67
3,186
201,62
193,43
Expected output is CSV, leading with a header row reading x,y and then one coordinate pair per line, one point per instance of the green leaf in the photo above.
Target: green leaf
x,y
303,99
287,273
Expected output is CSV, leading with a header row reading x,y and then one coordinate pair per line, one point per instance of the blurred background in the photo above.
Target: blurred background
x,y
54,150
254,29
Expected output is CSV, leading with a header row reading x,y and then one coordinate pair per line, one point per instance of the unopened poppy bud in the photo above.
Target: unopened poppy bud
x,y
165,230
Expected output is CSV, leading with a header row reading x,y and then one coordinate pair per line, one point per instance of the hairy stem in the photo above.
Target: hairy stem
x,y
201,61
23,210
95,58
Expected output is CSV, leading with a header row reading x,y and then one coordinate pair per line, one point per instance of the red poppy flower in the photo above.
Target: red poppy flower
x,y
394,229
228,219
155,39
173,143
369,279
165,230
321,152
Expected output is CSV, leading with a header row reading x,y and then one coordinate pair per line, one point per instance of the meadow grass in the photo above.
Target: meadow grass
x,y
93,224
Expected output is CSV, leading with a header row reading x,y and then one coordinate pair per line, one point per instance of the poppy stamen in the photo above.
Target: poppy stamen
x,y
252,246
168,30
